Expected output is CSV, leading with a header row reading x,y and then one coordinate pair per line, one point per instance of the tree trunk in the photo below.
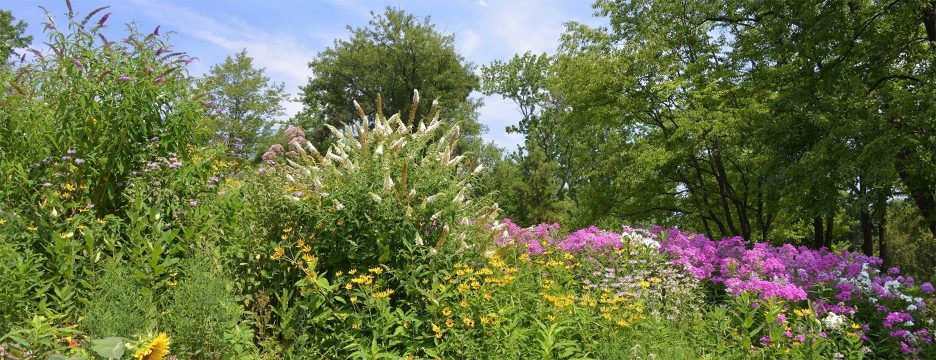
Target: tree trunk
x,y
828,232
817,233
867,244
881,210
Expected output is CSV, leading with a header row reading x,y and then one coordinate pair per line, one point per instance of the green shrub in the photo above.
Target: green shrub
x,y
199,311
120,306
97,103
22,283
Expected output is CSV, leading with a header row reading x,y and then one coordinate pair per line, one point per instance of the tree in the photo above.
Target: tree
x,y
11,34
394,55
543,159
245,100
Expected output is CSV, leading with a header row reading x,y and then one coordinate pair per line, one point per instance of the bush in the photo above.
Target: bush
x,y
120,306
96,103
199,311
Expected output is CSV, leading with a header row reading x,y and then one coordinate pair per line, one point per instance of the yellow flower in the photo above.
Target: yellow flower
x,y
383,294
463,303
446,311
449,322
2,221
437,330
352,271
354,299
277,253
376,270
155,349
32,229
644,284
468,321
101,221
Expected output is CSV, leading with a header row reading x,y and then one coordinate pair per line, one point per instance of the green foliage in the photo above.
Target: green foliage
x,y
245,101
121,307
908,244
543,161
200,310
11,35
99,101
21,277
394,55
389,195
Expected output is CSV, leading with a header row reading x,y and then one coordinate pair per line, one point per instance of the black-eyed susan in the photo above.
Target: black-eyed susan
x,y
277,253
154,349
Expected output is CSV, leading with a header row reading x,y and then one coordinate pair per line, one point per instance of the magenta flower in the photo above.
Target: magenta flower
x,y
124,78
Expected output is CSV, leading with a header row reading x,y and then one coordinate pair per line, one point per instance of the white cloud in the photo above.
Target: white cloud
x,y
468,42
284,57
522,26
482,3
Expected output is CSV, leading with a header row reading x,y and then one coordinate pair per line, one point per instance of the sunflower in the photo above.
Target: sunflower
x,y
153,350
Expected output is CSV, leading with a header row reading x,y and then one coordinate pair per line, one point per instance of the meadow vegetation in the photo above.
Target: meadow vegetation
x,y
130,229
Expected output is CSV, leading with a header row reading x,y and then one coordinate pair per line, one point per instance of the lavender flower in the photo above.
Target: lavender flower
x,y
77,63
124,78
79,161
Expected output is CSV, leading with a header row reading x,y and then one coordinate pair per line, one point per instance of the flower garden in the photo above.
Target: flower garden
x,y
124,234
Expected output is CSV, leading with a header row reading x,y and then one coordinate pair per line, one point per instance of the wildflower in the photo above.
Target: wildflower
x,y
277,253
193,203
437,330
468,322
446,311
79,161
833,321
376,270
765,340
449,322
32,229
123,78
77,63
155,349
383,294
926,288
101,221
2,221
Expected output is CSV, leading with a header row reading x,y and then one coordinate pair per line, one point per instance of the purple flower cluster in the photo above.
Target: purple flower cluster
x,y
839,283
786,271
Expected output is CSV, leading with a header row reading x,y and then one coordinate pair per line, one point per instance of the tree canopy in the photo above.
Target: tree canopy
x,y
245,100
392,56
11,34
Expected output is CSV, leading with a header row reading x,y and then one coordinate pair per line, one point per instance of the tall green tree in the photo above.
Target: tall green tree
x,y
246,102
543,159
11,34
392,56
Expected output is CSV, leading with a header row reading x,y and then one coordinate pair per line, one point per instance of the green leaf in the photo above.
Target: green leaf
x,y
110,347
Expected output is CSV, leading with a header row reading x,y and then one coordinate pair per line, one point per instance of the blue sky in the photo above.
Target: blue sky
x,y
283,35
